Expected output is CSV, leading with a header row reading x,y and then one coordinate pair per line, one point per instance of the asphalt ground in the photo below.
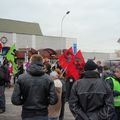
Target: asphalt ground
x,y
14,112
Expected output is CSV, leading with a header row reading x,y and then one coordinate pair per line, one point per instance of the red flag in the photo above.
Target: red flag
x,y
69,51
66,58
73,65
79,60
1,46
76,67
72,71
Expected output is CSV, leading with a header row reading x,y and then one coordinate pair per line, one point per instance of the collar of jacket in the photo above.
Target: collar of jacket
x,y
36,69
91,74
118,79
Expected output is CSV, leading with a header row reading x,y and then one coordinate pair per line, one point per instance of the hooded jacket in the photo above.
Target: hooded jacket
x,y
34,90
91,98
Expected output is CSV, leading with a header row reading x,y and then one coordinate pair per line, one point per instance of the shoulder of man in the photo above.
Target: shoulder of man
x,y
109,78
46,77
23,77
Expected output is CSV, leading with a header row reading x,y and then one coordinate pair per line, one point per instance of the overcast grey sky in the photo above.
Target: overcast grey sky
x,y
95,23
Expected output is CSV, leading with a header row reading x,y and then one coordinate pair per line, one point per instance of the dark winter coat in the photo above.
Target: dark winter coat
x,y
4,75
34,90
91,98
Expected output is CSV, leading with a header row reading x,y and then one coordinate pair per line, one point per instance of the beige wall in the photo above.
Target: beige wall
x,y
23,41
50,42
38,42
70,42
98,56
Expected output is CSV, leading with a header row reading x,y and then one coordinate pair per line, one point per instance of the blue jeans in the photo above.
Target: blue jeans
x,y
2,97
37,118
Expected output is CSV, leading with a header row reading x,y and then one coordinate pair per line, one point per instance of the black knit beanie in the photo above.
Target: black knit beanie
x,y
90,65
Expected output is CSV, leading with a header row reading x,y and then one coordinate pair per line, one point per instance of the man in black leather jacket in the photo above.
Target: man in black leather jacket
x,y
34,90
91,98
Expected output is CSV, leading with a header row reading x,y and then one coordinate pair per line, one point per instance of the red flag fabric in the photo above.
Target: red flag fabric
x,y
70,50
74,65
79,60
1,46
78,64
72,71
66,58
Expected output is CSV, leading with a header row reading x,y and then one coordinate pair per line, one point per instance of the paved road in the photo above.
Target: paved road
x,y
13,112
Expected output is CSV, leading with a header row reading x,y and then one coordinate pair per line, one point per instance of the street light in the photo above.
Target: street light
x,y
63,20
62,27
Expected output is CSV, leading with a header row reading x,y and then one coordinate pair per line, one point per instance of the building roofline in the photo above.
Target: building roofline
x,y
20,27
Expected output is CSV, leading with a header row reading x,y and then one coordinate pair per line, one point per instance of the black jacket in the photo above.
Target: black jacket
x,y
4,75
34,90
91,98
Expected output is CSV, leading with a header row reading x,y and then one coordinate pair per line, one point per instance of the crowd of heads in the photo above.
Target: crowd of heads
x,y
90,65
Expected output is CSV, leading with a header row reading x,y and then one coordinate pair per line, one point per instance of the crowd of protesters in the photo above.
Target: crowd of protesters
x,y
43,89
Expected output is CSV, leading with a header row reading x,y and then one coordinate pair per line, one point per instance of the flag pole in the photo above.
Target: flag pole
x,y
54,63
64,71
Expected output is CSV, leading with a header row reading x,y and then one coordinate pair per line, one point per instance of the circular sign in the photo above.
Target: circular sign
x,y
4,40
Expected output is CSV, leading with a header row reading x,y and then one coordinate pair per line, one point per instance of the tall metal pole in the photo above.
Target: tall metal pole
x,y
62,22
62,27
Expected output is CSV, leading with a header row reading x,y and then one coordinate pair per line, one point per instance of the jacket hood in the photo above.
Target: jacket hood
x,y
91,74
36,69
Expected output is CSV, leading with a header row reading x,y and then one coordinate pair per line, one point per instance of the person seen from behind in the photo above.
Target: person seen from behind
x,y
106,72
114,82
47,66
35,91
91,98
99,68
63,96
4,81
54,110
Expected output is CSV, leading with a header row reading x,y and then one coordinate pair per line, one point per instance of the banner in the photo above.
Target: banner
x,y
11,57
66,58
73,64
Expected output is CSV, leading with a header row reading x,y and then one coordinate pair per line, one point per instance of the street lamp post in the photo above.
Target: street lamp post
x,y
63,20
62,27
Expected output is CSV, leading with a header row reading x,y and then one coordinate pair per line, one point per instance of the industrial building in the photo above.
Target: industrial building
x,y
29,35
